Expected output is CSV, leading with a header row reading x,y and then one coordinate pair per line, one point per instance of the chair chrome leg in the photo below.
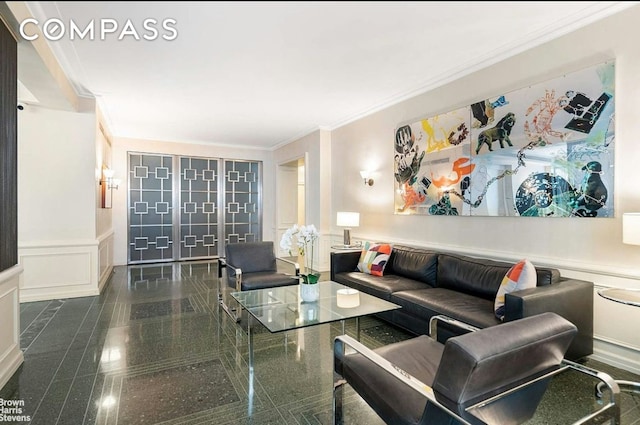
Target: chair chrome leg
x,y
234,313
625,386
338,398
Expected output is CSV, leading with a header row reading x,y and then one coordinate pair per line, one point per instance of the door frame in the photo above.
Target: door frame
x,y
280,199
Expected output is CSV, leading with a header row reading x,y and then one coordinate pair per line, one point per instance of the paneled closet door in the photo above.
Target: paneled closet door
x,y
199,201
151,208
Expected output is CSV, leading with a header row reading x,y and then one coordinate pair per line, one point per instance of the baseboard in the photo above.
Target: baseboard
x,y
104,277
55,294
616,354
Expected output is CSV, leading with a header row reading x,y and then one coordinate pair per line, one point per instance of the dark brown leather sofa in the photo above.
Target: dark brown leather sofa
x,y
428,283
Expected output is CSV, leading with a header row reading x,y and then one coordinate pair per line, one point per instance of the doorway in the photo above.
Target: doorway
x,y
291,197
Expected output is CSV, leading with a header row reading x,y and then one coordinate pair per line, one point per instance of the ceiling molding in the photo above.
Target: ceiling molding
x,y
596,12
131,95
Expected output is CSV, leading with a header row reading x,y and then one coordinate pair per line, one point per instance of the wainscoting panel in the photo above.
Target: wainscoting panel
x,y
105,258
10,354
616,333
58,271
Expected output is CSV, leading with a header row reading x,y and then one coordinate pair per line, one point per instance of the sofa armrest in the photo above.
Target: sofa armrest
x,y
344,262
340,345
222,263
433,325
570,298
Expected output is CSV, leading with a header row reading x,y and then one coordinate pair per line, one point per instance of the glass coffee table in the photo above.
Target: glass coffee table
x,y
282,309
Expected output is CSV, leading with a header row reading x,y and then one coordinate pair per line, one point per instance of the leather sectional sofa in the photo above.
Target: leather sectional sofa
x,y
427,283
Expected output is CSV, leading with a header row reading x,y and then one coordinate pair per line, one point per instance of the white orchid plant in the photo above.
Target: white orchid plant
x,y
304,238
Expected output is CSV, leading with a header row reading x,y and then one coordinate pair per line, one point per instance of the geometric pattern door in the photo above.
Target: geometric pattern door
x,y
175,204
242,201
198,207
150,208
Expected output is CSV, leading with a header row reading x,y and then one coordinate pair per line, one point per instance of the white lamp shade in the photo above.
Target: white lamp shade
x,y
348,219
631,228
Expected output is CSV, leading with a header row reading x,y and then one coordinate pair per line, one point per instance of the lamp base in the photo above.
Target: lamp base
x,y
347,237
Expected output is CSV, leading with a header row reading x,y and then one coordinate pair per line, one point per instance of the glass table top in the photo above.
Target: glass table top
x,y
282,308
622,295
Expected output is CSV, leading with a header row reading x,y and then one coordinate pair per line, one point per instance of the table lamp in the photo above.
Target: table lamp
x,y
347,220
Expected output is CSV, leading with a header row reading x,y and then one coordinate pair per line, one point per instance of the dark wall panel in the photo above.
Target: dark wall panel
x,y
8,149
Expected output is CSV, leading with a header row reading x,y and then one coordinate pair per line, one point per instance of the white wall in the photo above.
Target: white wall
x,y
120,149
57,243
317,148
587,248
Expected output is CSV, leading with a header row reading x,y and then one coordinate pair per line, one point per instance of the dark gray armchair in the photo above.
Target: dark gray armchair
x,y
253,265
422,381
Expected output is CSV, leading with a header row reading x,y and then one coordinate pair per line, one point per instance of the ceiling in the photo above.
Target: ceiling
x,y
261,74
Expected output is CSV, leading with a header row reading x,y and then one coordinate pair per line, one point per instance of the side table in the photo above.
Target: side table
x,y
347,247
629,297
621,295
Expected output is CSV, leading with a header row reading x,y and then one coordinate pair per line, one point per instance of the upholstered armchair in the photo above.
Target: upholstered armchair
x,y
496,375
253,265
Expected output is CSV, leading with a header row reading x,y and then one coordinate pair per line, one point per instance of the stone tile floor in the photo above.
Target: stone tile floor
x,y
155,347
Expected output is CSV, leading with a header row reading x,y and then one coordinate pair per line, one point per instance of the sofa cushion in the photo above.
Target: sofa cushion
x,y
374,258
378,286
395,402
521,276
261,280
547,276
474,276
470,309
251,256
414,263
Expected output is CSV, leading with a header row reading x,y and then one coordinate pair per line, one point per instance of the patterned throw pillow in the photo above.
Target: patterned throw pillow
x,y
374,258
521,276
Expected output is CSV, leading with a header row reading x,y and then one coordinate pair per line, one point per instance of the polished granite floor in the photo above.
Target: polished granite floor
x,y
155,347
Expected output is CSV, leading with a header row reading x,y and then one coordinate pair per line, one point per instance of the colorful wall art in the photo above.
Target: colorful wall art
x,y
542,151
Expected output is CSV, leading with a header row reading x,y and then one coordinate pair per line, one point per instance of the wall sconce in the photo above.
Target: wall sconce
x,y
347,219
107,184
367,177
108,180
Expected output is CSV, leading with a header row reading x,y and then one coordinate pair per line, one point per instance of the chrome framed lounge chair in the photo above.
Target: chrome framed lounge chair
x,y
253,265
495,375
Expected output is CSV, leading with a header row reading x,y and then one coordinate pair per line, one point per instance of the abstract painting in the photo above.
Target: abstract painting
x,y
542,151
